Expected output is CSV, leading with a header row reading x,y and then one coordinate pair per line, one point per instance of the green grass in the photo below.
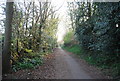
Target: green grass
x,y
74,49
100,62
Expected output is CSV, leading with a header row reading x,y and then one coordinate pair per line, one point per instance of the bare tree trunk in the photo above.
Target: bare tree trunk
x,y
7,41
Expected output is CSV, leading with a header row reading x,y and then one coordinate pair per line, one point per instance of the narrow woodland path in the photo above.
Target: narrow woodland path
x,y
67,67
60,65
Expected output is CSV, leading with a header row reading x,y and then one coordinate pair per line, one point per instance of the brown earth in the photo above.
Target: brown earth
x,y
60,65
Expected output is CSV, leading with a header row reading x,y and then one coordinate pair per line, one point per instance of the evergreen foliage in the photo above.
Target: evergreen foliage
x,y
97,27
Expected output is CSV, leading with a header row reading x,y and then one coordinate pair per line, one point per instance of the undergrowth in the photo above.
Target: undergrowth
x,y
30,61
100,62
27,63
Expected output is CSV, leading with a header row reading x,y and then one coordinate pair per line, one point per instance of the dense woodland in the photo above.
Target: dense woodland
x,y
96,30
30,34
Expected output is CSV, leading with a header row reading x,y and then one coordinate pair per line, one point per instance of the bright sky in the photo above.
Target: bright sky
x,y
1,17
62,6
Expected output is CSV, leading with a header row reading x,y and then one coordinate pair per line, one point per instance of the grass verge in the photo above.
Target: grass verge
x,y
111,69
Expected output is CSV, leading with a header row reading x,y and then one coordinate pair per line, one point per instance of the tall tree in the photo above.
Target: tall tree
x,y
7,41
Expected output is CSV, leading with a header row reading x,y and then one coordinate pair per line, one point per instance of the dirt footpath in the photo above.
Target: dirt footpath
x,y
69,66
60,65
